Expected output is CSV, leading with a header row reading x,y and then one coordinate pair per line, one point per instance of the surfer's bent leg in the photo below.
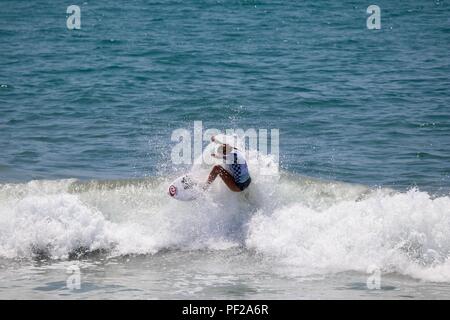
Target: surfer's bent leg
x,y
218,170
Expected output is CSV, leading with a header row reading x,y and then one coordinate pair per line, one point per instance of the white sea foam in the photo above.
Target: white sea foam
x,y
314,226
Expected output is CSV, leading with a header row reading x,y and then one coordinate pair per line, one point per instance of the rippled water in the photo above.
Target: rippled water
x,y
366,107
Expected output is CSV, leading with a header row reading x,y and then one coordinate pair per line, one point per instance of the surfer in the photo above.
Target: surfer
x,y
234,171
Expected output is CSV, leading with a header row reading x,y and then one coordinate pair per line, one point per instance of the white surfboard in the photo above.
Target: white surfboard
x,y
185,188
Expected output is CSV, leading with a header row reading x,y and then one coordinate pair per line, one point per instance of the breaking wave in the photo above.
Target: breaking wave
x,y
315,226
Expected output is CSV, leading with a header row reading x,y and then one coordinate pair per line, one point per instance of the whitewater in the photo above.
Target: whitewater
x,y
299,226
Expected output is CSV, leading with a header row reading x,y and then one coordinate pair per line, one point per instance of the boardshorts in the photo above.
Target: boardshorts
x,y
242,186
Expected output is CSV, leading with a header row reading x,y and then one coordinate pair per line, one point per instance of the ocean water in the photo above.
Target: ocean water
x,y
86,117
